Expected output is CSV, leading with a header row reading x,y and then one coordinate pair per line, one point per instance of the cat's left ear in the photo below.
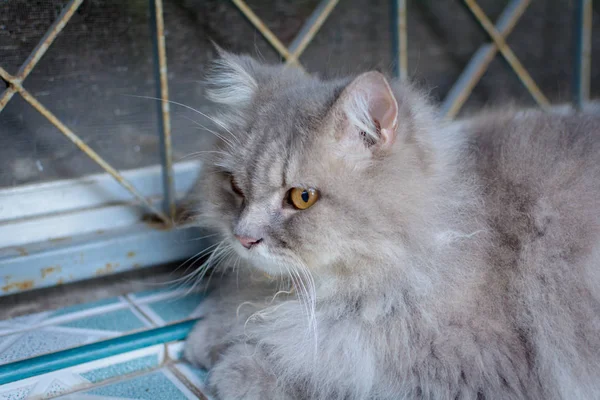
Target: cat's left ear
x,y
371,113
233,79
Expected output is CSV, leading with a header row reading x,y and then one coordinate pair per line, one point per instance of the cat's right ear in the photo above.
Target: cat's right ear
x,y
370,116
232,79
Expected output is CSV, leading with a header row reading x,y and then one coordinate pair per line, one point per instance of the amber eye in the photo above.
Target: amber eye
x,y
236,189
302,198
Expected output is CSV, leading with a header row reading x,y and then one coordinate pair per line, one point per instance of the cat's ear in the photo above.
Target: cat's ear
x,y
232,80
371,114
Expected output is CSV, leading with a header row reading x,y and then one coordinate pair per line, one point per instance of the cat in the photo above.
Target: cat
x,y
381,252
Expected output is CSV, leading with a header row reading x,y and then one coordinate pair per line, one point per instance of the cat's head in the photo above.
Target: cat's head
x,y
316,172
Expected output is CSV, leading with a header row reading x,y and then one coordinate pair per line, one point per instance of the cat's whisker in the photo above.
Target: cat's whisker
x,y
202,237
201,153
219,261
185,280
218,135
222,125
306,296
213,260
191,259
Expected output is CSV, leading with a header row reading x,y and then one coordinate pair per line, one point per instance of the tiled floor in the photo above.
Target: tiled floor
x,y
153,373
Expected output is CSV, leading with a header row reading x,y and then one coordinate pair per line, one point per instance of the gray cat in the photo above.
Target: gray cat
x,y
382,253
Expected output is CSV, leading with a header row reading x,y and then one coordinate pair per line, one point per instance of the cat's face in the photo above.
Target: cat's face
x,y
297,179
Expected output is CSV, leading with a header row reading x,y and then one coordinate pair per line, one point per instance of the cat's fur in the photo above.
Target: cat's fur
x,y
442,261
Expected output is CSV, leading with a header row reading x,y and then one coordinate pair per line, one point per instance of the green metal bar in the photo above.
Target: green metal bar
x,y
90,352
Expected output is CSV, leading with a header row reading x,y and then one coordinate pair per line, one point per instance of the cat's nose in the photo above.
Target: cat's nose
x,y
248,242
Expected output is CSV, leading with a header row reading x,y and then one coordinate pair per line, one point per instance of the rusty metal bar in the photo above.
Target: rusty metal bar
x,y
508,54
41,48
583,52
480,61
6,96
16,84
157,27
263,29
310,28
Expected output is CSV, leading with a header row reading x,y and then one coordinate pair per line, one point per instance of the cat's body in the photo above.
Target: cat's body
x,y
440,262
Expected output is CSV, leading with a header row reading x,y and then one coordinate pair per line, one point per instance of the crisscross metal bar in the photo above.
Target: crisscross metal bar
x,y
481,59
41,49
310,29
302,39
263,29
16,84
508,54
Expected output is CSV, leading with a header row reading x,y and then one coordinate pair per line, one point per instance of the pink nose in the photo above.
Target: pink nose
x,y
248,242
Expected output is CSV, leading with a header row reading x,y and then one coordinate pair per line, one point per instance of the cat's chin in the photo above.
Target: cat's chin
x,y
260,258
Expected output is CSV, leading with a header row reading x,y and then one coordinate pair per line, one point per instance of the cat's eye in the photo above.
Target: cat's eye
x,y
302,198
236,189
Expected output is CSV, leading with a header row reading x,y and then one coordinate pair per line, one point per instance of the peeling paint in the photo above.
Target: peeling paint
x,y
107,269
17,286
49,270
60,239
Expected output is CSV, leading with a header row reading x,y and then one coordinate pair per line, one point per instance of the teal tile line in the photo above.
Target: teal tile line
x,y
119,320
123,368
153,386
94,351
152,292
84,306
178,308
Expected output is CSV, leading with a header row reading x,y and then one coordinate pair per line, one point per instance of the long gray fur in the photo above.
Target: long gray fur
x,y
461,263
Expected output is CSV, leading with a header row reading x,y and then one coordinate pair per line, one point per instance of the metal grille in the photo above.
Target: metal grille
x,y
108,60
118,49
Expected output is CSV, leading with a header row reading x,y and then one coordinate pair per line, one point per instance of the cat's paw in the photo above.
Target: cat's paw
x,y
208,338
240,375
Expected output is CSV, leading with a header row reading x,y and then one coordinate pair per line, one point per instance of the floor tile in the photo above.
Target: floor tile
x,y
42,341
86,376
156,372
51,338
157,385
28,322
173,309
195,376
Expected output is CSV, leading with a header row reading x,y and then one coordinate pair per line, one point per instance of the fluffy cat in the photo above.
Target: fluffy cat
x,y
424,260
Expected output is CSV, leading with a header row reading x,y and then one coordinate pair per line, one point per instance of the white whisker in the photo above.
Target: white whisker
x,y
223,138
187,107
